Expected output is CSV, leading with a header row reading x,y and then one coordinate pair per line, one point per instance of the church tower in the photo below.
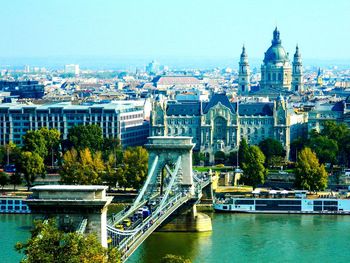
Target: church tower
x,y
297,74
243,74
276,71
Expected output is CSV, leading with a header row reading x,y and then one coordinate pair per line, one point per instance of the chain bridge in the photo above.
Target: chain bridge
x,y
170,184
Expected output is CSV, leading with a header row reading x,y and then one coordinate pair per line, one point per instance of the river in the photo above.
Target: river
x,y
235,238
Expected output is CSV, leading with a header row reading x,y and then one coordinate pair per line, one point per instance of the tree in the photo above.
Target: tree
x,y
296,146
114,174
4,179
169,258
50,245
35,142
243,151
135,166
220,157
32,166
52,140
271,148
254,171
309,174
326,149
85,136
82,167
15,179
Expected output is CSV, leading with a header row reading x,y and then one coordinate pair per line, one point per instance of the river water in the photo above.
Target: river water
x,y
235,238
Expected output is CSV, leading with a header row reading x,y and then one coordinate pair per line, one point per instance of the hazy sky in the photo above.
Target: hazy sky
x,y
173,28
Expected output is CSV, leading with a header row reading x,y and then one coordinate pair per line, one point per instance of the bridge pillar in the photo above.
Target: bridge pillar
x,y
187,221
167,149
70,204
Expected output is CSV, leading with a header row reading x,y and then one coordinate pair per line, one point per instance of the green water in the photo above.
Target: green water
x,y
235,238
256,238
13,228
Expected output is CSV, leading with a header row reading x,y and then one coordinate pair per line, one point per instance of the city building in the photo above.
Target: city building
x,y
23,88
220,125
117,120
72,69
278,75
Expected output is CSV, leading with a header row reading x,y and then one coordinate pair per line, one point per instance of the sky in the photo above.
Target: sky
x,y
177,29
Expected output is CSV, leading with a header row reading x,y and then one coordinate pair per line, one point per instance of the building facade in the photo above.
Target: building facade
x,y
123,121
220,125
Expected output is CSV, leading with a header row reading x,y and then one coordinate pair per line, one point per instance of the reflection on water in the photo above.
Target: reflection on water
x,y
256,238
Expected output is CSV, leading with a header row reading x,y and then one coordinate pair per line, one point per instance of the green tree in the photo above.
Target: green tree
x,y
112,146
309,174
50,245
135,163
85,136
220,157
254,171
326,149
271,148
335,131
110,176
9,153
243,151
4,179
32,166
82,167
15,179
169,258
296,146
35,142
52,140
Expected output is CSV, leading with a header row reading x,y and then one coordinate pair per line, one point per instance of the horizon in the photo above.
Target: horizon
x,y
173,29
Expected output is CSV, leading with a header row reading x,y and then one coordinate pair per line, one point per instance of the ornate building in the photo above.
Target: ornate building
x,y
278,76
220,125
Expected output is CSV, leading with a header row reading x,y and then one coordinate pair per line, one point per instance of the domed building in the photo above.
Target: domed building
x,y
278,75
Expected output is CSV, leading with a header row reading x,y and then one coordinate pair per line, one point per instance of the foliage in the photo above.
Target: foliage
x,y
15,179
254,172
50,245
232,158
12,151
35,142
169,258
197,158
112,173
32,166
112,146
272,148
85,136
309,174
4,179
52,140
41,141
82,167
243,151
326,149
220,157
135,167
296,146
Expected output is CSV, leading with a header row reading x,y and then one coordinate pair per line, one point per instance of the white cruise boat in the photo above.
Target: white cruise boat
x,y
284,202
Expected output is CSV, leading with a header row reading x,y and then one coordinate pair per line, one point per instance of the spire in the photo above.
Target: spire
x,y
297,53
244,54
276,37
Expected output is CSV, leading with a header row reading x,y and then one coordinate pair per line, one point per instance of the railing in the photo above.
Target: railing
x,y
128,245
82,226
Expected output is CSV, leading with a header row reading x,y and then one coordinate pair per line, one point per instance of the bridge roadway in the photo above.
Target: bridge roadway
x,y
127,241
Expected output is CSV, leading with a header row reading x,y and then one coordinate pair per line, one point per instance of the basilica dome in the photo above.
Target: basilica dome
x,y
276,52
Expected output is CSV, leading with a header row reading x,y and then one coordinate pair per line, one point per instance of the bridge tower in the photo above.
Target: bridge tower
x,y
165,151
